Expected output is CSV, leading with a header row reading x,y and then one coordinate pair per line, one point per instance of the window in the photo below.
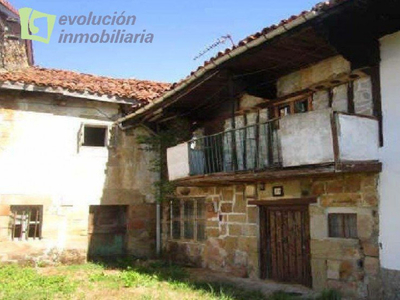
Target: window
x,y
295,105
95,136
284,110
342,225
301,106
26,222
188,219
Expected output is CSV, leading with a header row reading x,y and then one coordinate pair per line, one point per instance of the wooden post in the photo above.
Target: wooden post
x,y
350,98
377,98
233,121
336,150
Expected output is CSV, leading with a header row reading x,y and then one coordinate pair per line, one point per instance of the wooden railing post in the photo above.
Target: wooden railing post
x,y
233,122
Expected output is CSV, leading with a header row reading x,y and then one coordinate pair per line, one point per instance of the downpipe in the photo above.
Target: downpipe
x,y
158,205
158,229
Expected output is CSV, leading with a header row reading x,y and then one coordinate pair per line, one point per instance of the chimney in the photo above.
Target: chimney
x,y
15,52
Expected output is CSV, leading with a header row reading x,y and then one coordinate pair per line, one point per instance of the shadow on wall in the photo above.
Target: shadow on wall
x,y
123,224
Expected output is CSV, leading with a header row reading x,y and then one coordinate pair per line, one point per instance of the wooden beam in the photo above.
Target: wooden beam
x,y
320,170
374,72
357,167
284,201
350,98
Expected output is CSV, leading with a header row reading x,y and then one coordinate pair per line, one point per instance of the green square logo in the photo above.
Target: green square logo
x,y
28,28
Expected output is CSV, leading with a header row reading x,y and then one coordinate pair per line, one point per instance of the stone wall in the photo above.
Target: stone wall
x,y
305,78
42,164
13,50
350,265
316,77
390,281
231,230
14,54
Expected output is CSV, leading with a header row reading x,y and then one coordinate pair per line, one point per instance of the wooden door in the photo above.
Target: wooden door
x,y
285,244
107,231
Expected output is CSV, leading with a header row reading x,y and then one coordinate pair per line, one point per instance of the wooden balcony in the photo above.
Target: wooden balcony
x,y
301,144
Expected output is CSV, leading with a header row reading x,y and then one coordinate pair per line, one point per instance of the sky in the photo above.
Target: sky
x,y
181,28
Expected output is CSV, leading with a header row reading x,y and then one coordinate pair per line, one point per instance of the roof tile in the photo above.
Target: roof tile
x,y
142,90
9,6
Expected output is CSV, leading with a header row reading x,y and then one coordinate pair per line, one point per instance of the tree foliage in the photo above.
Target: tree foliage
x,y
175,132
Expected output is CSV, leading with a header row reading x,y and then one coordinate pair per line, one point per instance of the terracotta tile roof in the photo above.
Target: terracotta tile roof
x,y
9,6
142,90
322,6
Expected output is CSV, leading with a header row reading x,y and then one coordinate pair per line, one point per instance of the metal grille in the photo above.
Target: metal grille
x,y
26,222
254,147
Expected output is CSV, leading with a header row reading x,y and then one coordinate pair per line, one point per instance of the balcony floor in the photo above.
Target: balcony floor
x,y
279,173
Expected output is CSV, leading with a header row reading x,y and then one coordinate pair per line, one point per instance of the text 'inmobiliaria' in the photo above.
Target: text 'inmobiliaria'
x,y
106,35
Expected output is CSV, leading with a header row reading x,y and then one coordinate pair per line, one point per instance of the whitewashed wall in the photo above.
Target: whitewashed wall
x,y
358,138
39,155
306,139
178,161
40,165
390,153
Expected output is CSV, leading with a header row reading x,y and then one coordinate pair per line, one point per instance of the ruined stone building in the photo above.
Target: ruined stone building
x,y
291,173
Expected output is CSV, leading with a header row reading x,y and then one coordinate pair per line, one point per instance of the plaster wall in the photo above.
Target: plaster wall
x,y
358,138
42,163
390,153
306,138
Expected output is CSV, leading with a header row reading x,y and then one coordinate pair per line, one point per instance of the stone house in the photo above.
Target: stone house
x,y
290,174
72,183
292,168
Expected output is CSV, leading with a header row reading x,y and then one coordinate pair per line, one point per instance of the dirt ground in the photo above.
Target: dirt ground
x,y
267,287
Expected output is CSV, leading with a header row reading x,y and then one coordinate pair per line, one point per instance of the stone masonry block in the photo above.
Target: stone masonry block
x,y
250,191
319,273
334,186
371,265
250,230
318,222
347,199
226,207
235,230
237,218
352,184
335,249
365,225
318,188
252,214
333,269
240,204
370,249
227,194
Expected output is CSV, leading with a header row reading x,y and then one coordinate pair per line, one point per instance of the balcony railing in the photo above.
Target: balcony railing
x,y
254,147
317,137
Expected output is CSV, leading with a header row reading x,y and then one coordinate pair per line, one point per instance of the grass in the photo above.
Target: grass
x,y
122,280
24,283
